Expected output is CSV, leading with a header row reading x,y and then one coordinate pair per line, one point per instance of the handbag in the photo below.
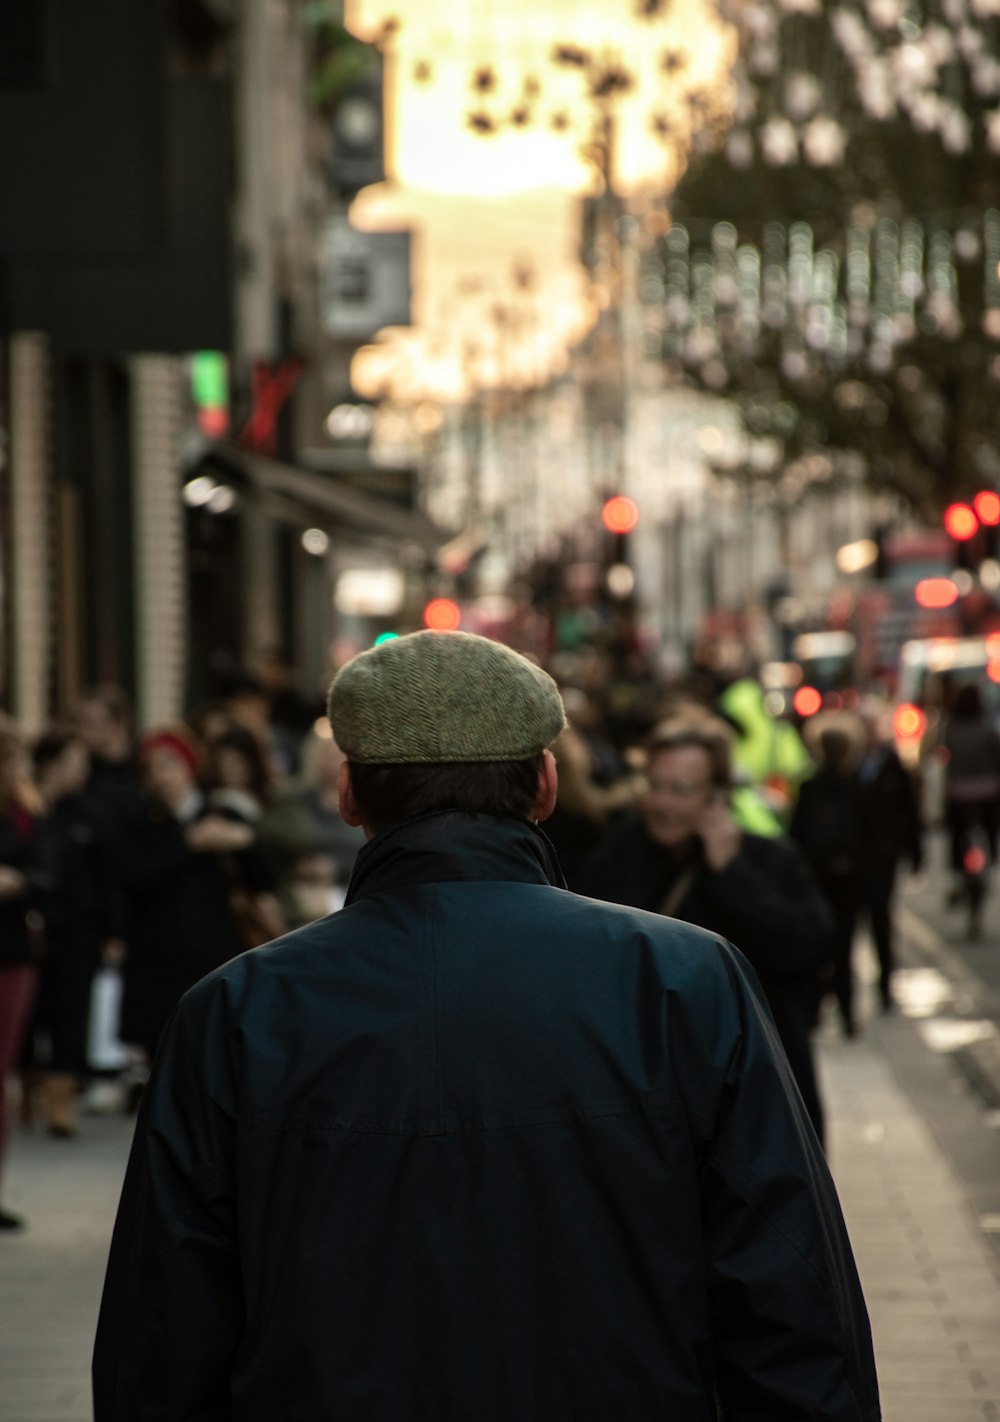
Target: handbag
x,y
105,1051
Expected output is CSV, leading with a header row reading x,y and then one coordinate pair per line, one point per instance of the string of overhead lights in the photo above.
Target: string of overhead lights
x,y
867,297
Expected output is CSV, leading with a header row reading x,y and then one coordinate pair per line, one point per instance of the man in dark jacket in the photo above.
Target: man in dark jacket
x,y
892,834
475,1147
685,856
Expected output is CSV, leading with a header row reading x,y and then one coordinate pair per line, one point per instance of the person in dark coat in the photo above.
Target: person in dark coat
x,y
103,717
828,826
181,863
76,846
892,835
21,923
104,720
684,856
475,1146
972,775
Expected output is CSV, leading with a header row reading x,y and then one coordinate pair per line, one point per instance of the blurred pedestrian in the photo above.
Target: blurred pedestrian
x,y
291,713
972,775
475,1147
768,751
828,824
240,780
241,788
21,924
892,835
208,721
178,865
596,785
685,856
248,704
103,718
75,846
308,837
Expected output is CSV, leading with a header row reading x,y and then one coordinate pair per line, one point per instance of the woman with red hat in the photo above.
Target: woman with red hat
x,y
182,862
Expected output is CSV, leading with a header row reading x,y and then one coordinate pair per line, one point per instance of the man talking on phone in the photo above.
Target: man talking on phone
x,y
685,856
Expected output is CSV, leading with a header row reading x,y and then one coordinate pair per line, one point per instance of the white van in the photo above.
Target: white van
x,y
931,670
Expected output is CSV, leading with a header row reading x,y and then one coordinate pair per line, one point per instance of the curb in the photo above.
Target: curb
x,y
980,1065
979,1060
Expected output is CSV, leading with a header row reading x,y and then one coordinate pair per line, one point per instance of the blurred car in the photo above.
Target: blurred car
x,y
931,670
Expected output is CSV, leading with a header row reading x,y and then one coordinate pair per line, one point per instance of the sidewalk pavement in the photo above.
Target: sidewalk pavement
x,y
930,1278
963,972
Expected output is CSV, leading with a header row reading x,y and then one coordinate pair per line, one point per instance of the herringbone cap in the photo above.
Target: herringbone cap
x,y
441,697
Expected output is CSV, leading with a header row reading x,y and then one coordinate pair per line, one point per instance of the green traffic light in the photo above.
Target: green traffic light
x,y
386,637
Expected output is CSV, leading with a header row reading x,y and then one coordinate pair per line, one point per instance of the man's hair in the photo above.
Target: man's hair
x,y
388,793
707,733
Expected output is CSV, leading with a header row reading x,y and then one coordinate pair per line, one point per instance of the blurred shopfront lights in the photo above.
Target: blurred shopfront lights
x,y
620,580
989,574
210,392
197,492
350,422
370,592
204,492
222,499
855,557
316,542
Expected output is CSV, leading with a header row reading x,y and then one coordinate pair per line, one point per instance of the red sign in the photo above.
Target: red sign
x,y
270,387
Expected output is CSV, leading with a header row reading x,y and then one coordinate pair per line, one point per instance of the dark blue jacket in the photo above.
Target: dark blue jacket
x,y
478,1148
765,902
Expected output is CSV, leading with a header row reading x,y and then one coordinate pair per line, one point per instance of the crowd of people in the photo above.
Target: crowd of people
x,y
131,868
142,865
738,826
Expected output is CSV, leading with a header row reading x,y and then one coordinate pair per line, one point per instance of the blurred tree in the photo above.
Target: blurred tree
x,y
833,266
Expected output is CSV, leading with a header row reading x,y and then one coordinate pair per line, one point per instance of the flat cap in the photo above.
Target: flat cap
x,y
441,697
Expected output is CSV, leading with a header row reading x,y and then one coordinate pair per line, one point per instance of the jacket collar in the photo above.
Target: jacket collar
x,y
449,846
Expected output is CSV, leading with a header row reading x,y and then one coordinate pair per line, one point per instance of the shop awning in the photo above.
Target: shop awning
x,y
334,505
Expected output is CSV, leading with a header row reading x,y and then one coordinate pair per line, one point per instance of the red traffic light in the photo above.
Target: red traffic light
x,y
987,507
961,522
807,701
442,614
935,592
620,514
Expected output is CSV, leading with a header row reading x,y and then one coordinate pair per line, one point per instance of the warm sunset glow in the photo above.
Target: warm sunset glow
x,y
500,295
